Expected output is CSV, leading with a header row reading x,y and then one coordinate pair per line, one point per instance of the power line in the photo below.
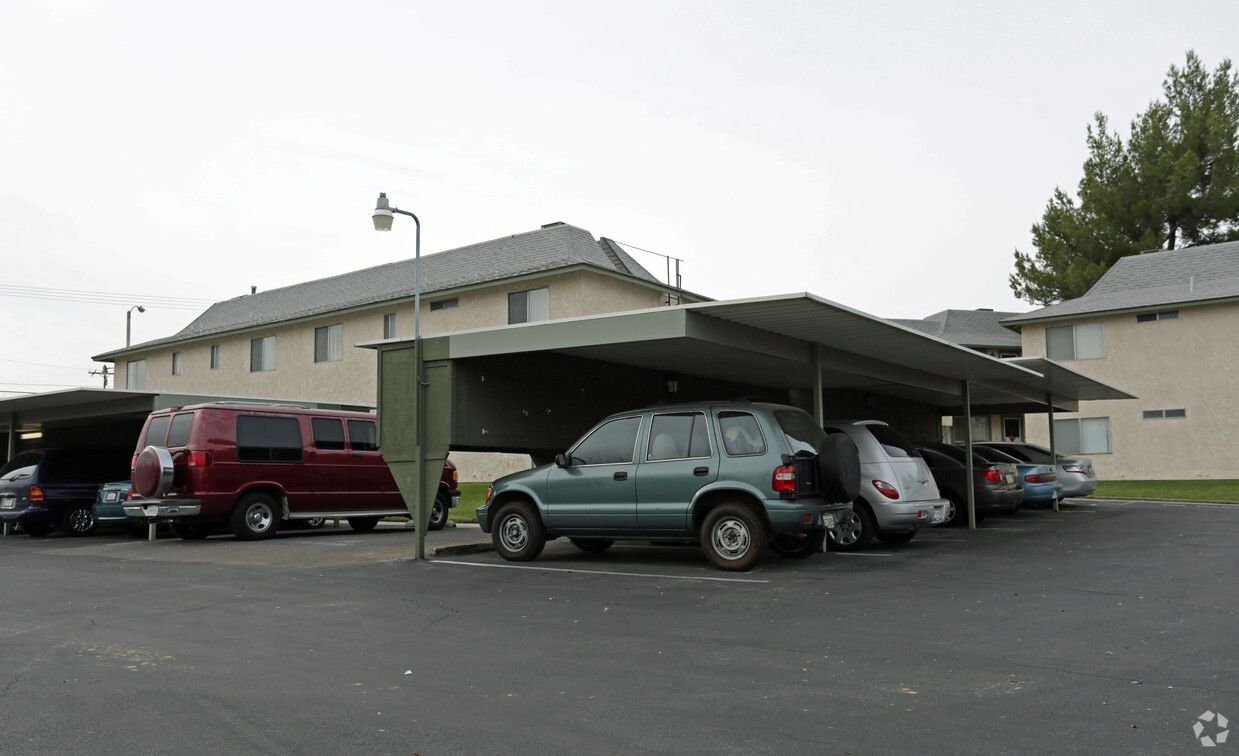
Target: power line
x,y
103,297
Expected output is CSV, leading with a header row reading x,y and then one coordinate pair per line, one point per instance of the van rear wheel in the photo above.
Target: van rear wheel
x,y
363,524
255,517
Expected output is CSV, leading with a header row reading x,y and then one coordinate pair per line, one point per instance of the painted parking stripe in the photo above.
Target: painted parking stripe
x,y
598,572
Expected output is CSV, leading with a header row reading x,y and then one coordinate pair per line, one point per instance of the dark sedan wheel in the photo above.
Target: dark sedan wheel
x,y
897,538
363,524
518,535
954,511
78,521
798,545
592,545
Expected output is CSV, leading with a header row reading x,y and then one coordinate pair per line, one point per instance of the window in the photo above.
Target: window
x,y
980,428
328,433
1084,435
178,431
612,443
529,306
329,343
741,434
1075,342
678,436
1012,429
445,304
176,363
215,356
389,325
262,354
268,439
156,431
135,375
362,435
1167,414
1151,317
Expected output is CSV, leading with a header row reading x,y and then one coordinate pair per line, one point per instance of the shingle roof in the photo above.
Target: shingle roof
x,y
1155,279
552,247
977,329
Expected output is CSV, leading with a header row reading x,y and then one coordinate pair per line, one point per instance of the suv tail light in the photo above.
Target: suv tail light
x,y
36,495
784,478
993,476
886,489
133,462
198,459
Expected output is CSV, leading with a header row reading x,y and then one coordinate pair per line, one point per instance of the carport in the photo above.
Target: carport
x,y
536,387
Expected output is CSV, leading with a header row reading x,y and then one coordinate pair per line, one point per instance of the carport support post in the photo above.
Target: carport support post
x,y
972,505
415,410
819,410
1049,399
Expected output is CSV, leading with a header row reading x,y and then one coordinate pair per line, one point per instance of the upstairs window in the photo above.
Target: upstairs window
x,y
329,343
1084,435
1085,341
176,363
444,304
389,325
1152,317
262,354
529,306
215,356
135,375
1165,414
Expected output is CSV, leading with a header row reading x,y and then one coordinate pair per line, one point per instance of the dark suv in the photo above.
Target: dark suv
x,y
45,489
735,476
251,467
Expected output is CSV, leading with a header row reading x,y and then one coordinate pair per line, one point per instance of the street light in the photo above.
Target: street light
x,y
382,222
129,320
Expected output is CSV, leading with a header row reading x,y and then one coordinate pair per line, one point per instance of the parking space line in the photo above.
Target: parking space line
x,y
598,572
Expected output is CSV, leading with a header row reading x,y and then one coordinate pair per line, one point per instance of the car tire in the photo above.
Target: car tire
x,y
438,513
592,545
36,529
187,531
855,532
896,537
518,534
838,469
956,514
255,517
733,537
314,523
363,524
78,520
798,545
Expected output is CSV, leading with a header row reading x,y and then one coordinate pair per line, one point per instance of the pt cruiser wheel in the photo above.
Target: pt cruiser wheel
x,y
518,534
733,537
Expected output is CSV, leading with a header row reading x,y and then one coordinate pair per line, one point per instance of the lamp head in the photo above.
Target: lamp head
x,y
382,214
141,308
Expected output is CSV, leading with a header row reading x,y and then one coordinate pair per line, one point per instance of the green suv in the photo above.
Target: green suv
x,y
736,476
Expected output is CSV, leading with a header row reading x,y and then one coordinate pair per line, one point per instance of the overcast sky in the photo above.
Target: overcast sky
x,y
889,156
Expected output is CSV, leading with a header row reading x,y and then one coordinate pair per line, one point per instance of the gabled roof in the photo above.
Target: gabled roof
x,y
1194,275
553,247
978,329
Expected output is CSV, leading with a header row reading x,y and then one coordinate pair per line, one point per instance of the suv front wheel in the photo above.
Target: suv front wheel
x,y
733,537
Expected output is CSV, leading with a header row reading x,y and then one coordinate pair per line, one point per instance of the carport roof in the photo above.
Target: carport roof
x,y
776,341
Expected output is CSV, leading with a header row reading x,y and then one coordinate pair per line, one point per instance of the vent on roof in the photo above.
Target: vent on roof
x,y
552,225
985,309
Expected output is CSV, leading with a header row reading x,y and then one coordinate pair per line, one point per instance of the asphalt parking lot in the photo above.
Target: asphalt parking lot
x,y
1108,627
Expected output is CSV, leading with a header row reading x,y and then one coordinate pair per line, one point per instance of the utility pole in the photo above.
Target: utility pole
x,y
104,372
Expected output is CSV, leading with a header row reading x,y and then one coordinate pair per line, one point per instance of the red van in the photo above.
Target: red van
x,y
252,466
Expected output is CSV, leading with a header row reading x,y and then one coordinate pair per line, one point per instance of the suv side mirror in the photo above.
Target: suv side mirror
x,y
561,460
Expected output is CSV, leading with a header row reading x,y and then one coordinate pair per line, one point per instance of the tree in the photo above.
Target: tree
x,y
1174,183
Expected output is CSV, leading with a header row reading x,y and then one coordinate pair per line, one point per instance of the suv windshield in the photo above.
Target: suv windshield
x,y
802,432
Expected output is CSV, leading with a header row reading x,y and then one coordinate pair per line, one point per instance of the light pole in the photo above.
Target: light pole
x,y
129,320
383,217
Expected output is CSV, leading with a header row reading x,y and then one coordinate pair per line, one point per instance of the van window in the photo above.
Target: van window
x,y
157,430
328,433
362,435
268,439
178,433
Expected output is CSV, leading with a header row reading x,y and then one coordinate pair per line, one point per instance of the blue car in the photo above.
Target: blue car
x,y
109,507
1040,482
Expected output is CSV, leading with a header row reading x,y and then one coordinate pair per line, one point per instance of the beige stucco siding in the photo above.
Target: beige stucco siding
x,y
1186,363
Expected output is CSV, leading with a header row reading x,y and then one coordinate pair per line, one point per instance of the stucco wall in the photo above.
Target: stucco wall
x,y
1186,363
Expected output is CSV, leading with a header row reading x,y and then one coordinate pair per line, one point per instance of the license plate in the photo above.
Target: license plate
x,y
8,502
828,520
109,496
939,513
1009,478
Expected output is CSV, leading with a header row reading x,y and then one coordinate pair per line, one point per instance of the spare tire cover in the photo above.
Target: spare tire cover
x,y
152,474
838,469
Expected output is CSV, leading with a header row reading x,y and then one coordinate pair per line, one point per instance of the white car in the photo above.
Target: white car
x,y
898,494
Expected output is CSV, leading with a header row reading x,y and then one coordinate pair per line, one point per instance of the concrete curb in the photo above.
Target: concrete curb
x,y
456,549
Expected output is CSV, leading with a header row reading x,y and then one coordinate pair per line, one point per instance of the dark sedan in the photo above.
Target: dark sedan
x,y
996,486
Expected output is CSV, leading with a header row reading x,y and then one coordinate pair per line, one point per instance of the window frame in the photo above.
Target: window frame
x,y
215,357
389,325
176,363
261,343
1179,413
1061,432
523,297
1153,317
329,343
138,384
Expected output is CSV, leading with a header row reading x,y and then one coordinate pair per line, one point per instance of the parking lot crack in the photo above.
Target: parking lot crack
x,y
1120,679
450,612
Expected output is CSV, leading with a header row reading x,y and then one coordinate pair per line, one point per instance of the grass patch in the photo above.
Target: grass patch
x,y
472,496
1226,491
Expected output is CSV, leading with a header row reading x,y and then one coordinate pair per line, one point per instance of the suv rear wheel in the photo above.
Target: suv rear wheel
x,y
518,534
733,537
255,517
